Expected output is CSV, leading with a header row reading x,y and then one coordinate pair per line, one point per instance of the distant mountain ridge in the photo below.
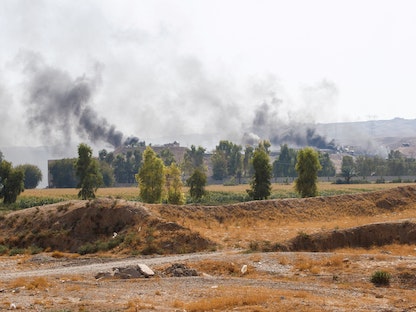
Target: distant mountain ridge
x,y
373,135
397,127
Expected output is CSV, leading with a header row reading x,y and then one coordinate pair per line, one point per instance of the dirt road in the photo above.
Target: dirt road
x,y
273,281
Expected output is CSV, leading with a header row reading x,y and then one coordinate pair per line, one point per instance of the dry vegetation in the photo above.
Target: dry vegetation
x,y
335,280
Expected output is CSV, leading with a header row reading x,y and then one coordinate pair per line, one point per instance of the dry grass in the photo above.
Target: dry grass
x,y
345,272
39,283
131,192
226,298
393,249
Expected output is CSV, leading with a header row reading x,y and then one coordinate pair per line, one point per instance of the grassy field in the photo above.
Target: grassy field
x,y
278,190
215,195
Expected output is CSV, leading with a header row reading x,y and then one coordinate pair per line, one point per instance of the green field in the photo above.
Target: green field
x,y
216,194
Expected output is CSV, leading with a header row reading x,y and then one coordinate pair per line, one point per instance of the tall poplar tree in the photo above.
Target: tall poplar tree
x,y
88,172
174,185
151,177
307,166
261,180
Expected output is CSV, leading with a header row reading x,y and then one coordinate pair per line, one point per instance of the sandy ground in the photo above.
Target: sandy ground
x,y
273,281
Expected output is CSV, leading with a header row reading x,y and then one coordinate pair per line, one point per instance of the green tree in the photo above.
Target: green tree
x,y
193,158
247,163
88,172
219,166
167,156
261,180
63,173
151,177
126,166
32,175
233,156
348,168
196,183
328,168
307,166
108,174
11,182
365,166
174,185
396,163
284,165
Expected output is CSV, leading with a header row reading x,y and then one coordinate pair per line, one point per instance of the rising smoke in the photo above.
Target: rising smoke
x,y
59,106
267,124
278,120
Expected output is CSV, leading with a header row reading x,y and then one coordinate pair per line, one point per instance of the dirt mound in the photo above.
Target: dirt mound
x,y
366,236
305,209
98,225
123,226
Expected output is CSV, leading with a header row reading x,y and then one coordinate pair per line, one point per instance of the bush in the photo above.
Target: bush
x,y
380,278
88,248
3,250
16,251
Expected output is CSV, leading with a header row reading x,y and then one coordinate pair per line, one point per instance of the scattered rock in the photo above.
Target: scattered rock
x,y
101,275
180,270
244,269
145,270
132,271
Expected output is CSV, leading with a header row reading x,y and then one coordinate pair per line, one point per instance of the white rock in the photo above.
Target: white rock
x,y
244,269
145,269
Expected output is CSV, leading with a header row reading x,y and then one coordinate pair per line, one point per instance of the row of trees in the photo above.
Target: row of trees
x,y
157,181
229,161
396,164
13,180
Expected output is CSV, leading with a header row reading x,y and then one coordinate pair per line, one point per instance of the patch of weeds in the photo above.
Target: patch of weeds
x,y
63,208
303,235
132,239
114,204
380,278
16,251
265,246
99,245
33,250
254,246
3,250
87,248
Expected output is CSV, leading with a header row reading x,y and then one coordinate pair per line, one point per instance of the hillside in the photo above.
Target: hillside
x,y
262,259
90,226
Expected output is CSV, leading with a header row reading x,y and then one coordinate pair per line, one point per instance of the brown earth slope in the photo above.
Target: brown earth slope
x,y
270,281
104,224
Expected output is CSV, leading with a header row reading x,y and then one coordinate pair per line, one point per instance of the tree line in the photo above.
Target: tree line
x,y
160,182
229,162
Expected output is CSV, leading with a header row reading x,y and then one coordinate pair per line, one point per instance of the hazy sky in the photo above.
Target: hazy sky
x,y
73,71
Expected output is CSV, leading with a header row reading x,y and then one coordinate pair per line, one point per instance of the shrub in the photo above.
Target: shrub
x,y
3,249
380,278
88,248
16,251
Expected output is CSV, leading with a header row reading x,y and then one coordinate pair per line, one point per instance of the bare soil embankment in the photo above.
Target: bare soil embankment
x,y
120,225
381,222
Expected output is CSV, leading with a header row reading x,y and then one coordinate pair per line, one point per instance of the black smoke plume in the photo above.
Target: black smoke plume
x,y
59,106
267,124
